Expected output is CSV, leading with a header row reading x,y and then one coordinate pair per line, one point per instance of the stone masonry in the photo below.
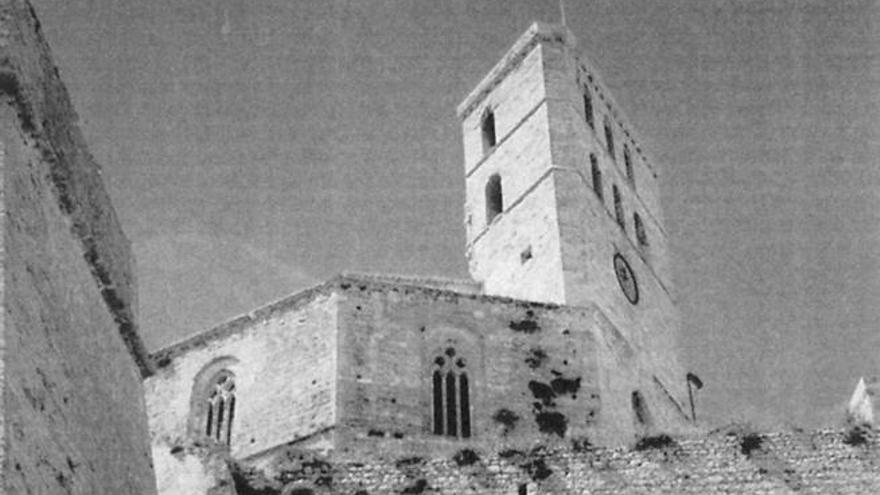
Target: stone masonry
x,y
72,410
734,461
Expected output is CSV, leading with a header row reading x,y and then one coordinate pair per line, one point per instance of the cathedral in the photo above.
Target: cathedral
x,y
567,329
553,369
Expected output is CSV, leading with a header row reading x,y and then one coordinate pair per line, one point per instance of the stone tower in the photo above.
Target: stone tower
x,y
562,205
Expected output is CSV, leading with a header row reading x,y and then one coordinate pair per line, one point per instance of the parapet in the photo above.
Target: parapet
x,y
742,462
538,31
30,80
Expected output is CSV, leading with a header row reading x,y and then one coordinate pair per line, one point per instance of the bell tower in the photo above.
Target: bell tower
x,y
562,204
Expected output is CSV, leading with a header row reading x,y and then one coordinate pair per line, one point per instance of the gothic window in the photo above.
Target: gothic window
x,y
641,235
488,129
627,161
618,207
220,407
494,201
451,394
609,138
597,176
588,107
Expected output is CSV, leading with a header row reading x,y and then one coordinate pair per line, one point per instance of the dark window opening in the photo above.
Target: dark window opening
x,y
451,392
627,161
210,421
588,107
451,423
597,176
231,416
526,255
640,409
494,199
523,489
609,138
438,402
618,207
641,235
488,128
465,406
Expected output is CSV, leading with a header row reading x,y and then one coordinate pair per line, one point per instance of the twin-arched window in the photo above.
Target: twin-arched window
x,y
219,406
451,393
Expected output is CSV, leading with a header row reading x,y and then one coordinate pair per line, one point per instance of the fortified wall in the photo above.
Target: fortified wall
x,y
734,461
72,411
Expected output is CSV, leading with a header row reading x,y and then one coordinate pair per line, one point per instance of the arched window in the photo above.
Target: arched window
x,y
494,200
618,207
597,176
641,236
451,394
627,161
588,107
609,138
488,129
220,407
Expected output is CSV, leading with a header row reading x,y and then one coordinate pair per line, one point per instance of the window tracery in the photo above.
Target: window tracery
x,y
220,407
451,395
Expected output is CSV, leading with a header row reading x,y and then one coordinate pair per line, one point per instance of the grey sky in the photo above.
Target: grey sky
x,y
253,148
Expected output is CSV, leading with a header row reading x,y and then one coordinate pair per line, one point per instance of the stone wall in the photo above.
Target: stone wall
x,y
349,366
283,359
532,369
732,462
72,406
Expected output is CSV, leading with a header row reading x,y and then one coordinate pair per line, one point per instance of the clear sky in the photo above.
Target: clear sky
x,y
254,148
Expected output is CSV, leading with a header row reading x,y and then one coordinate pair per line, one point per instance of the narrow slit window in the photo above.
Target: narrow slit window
x,y
627,161
438,403
640,409
597,176
451,420
229,420
641,235
609,138
494,198
463,389
618,207
210,422
488,129
588,107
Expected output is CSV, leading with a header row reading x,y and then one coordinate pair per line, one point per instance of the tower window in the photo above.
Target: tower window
x,y
588,107
220,408
597,176
618,207
451,394
627,161
609,138
494,201
525,255
640,409
641,235
488,128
